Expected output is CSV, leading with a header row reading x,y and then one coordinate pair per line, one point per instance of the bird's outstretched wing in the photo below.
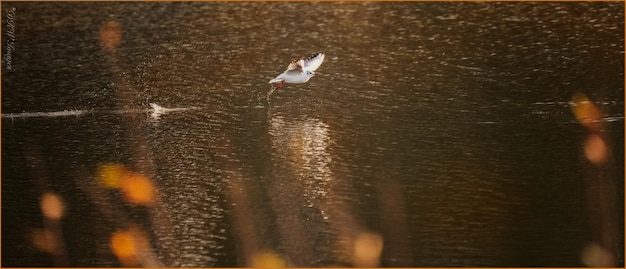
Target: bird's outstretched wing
x,y
313,62
296,64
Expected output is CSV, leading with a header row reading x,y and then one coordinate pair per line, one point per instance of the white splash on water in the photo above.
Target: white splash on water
x,y
155,112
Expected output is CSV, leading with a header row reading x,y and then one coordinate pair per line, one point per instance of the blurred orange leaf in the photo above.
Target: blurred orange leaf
x,y
52,206
123,246
138,189
586,112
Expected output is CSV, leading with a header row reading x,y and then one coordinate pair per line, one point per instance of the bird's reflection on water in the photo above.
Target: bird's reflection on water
x,y
303,145
300,181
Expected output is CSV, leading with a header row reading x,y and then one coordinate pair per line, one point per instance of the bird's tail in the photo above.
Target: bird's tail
x,y
276,80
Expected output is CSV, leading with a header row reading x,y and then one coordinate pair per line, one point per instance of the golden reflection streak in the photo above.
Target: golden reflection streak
x,y
303,146
286,192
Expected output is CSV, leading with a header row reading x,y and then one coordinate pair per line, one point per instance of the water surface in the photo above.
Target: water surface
x,y
444,129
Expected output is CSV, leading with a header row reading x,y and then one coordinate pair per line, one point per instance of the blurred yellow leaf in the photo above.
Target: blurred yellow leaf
x,y
267,259
367,250
111,174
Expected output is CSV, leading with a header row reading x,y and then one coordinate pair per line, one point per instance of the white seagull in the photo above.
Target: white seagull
x,y
298,71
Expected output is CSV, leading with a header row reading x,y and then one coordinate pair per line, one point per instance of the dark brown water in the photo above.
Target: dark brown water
x,y
444,129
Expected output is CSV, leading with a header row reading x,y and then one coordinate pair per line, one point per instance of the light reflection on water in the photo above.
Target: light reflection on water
x,y
304,145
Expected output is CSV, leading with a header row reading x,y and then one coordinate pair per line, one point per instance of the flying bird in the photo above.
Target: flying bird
x,y
298,71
